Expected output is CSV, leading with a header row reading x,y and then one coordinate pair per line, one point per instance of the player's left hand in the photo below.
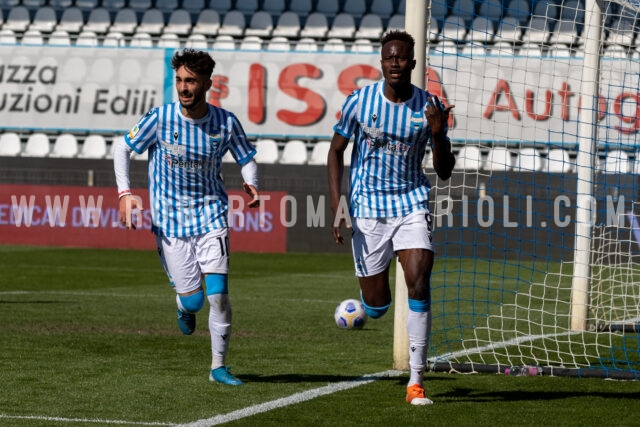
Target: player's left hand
x,y
437,116
127,205
251,191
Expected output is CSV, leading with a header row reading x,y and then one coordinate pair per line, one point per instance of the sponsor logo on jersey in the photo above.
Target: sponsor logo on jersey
x,y
187,165
174,149
372,132
395,149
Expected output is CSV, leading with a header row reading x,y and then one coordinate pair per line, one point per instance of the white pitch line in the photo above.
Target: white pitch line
x,y
291,400
84,420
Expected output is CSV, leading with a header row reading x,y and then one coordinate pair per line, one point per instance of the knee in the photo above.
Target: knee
x,y
192,303
375,312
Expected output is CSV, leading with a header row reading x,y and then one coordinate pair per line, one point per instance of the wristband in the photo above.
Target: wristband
x,y
124,193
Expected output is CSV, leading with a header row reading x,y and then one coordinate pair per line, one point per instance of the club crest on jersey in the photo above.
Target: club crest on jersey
x,y
416,120
133,132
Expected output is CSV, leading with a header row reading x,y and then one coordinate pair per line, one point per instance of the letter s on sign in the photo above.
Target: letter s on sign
x,y
348,78
288,83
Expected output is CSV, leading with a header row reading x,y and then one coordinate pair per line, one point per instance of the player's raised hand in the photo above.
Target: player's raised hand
x,y
251,191
437,116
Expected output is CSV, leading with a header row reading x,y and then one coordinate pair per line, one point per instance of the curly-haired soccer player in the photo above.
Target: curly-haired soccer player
x,y
186,141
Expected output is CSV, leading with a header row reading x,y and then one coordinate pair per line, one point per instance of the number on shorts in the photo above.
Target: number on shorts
x,y
224,245
429,220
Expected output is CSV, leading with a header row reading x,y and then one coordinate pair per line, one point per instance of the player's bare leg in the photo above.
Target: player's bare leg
x,y
417,265
375,293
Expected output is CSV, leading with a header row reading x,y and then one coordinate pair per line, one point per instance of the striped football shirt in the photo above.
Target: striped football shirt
x,y
186,191
386,178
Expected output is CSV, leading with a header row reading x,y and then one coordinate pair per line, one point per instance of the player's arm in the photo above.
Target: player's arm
x,y
443,158
335,170
249,172
127,201
244,152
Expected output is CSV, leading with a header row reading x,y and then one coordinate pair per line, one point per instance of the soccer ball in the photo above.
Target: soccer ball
x,y
350,314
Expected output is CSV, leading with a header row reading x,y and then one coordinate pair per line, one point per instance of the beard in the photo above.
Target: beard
x,y
196,99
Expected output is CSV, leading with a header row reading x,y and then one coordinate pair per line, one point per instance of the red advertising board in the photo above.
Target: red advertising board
x,y
70,216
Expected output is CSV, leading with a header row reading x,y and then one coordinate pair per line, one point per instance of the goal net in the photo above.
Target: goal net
x,y
537,232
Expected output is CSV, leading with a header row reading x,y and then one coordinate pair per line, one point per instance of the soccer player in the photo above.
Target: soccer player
x,y
392,121
186,141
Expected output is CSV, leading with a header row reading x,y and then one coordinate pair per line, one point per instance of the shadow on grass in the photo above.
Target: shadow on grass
x,y
310,378
468,395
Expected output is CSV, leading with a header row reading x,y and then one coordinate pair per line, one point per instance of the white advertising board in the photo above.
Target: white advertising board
x,y
298,95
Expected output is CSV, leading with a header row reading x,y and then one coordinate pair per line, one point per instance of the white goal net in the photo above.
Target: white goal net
x,y
529,132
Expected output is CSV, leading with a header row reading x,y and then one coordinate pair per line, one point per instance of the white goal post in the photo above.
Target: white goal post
x,y
414,25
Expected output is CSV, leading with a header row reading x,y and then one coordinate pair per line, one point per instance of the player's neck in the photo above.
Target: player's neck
x,y
398,93
195,113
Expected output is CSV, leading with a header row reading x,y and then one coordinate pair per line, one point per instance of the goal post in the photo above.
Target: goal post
x,y
585,165
414,25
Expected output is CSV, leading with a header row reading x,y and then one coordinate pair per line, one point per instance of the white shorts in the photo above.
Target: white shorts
x,y
187,259
376,240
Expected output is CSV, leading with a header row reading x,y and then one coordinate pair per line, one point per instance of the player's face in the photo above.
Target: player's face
x,y
397,62
191,87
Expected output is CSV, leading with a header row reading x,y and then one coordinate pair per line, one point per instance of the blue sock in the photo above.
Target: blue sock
x,y
374,312
217,284
419,306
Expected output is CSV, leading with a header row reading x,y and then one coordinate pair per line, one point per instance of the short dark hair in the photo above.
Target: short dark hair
x,y
196,61
400,35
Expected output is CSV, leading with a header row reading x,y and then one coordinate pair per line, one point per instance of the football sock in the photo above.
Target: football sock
x,y
419,328
219,327
217,283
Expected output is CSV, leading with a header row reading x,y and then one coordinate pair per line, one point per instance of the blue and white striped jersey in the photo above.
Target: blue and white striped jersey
x,y
386,163
186,191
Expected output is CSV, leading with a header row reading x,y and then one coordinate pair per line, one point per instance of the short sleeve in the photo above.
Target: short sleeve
x,y
143,134
348,116
241,149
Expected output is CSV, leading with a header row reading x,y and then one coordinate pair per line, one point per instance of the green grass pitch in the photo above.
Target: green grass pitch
x,y
89,337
